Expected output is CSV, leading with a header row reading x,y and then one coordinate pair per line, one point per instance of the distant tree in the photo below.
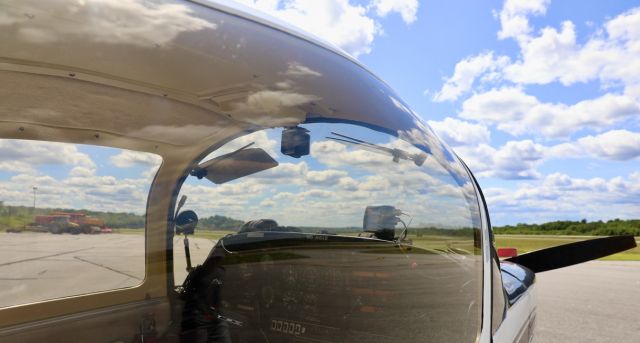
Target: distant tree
x,y
582,227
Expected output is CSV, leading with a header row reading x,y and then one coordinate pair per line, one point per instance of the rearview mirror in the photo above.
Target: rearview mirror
x,y
240,163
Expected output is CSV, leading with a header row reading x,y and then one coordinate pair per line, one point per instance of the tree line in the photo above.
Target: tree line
x,y
566,227
17,217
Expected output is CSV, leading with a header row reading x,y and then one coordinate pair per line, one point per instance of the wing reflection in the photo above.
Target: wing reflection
x,y
396,153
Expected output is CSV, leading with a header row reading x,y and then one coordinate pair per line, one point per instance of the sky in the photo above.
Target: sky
x,y
540,98
75,176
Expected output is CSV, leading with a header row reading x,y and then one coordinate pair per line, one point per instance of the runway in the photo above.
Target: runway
x,y
41,266
597,301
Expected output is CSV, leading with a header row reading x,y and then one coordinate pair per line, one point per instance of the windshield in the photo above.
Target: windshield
x,y
333,220
338,179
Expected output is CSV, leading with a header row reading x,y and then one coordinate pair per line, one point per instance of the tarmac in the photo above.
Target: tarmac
x,y
597,301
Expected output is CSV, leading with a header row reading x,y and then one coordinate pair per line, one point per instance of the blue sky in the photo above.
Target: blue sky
x,y
541,98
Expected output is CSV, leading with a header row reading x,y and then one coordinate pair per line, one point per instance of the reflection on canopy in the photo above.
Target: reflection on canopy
x,y
145,24
339,180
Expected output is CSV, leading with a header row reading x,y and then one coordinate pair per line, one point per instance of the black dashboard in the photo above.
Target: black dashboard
x,y
297,287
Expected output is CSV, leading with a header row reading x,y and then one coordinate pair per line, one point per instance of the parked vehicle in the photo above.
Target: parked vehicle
x,y
58,224
74,223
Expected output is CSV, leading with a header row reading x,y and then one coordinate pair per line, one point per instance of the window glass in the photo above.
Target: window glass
x,y
71,219
365,238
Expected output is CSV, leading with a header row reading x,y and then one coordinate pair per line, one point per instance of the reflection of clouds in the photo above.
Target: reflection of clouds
x,y
348,184
325,177
267,203
270,101
335,154
398,103
272,107
107,109
403,176
283,173
375,183
419,137
332,152
142,23
315,193
415,192
333,186
288,196
424,136
228,199
283,104
259,138
286,84
295,69
227,191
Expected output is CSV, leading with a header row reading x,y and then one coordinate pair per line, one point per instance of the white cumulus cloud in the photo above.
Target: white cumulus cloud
x,y
466,72
560,196
456,132
406,8
514,17
620,145
348,26
518,113
337,21
611,56
514,160
20,156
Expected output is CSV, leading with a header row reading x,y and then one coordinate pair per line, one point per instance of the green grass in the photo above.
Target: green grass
x,y
436,242
213,235
527,243
206,234
524,243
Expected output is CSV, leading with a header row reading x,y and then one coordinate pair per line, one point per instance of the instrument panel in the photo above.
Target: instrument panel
x,y
292,288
